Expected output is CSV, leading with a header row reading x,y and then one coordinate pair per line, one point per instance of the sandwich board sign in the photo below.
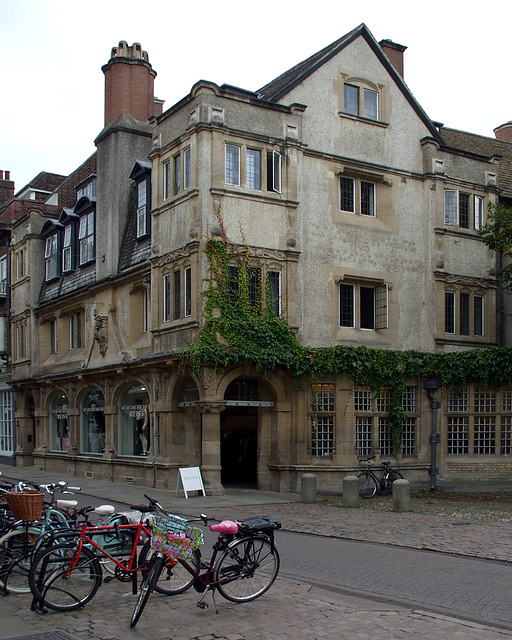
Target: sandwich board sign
x,y
191,480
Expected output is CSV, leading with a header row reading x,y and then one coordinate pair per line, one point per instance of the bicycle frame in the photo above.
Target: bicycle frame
x,y
206,579
86,537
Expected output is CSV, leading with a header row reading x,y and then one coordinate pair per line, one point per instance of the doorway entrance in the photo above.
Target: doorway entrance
x,y
239,445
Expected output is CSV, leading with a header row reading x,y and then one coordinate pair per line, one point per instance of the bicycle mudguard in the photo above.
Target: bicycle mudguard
x,y
255,524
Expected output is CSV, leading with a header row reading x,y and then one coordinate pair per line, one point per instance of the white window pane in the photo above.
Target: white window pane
x,y
253,169
351,99
232,165
347,194
277,171
371,104
367,198
186,162
451,207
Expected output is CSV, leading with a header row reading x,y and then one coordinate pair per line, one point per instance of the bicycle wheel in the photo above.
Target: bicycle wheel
x,y
393,475
367,485
16,548
252,565
65,577
151,575
173,578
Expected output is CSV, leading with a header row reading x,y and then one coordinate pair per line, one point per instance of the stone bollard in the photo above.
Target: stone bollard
x,y
401,496
308,488
351,491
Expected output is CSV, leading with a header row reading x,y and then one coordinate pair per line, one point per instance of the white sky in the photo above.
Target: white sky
x,y
52,51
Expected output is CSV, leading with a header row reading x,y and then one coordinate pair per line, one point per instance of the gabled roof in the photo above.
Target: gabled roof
x,y
473,143
44,181
282,85
140,167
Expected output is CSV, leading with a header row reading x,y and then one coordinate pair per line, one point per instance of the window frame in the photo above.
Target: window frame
x,y
463,209
4,275
323,420
361,100
166,187
359,202
356,310
244,167
166,297
464,313
232,168
142,188
87,237
51,257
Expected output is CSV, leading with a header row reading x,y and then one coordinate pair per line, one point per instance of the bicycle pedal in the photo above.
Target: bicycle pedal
x,y
202,605
108,579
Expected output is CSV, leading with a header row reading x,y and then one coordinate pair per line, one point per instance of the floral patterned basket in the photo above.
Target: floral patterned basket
x,y
172,536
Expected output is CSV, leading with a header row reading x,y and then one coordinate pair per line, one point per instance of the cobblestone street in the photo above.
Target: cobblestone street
x,y
474,526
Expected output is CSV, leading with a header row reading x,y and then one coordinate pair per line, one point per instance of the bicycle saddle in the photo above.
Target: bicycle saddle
x,y
226,526
67,504
105,510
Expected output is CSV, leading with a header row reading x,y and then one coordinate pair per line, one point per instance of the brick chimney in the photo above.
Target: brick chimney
x,y
395,54
6,186
129,83
504,131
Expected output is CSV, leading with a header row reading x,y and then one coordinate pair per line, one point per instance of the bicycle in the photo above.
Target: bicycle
x,y
243,566
65,577
369,482
22,538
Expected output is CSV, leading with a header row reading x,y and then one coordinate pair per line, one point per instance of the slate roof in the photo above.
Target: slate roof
x,y
44,181
473,143
276,89
283,84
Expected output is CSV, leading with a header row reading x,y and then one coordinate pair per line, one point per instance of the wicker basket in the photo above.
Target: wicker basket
x,y
25,506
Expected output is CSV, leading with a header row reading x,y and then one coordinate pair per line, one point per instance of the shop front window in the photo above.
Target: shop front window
x,y
59,423
92,422
134,437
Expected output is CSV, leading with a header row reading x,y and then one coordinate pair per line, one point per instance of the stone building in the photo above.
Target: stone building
x,y
360,216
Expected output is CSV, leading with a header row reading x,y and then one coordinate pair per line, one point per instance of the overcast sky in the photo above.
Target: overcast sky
x,y
51,54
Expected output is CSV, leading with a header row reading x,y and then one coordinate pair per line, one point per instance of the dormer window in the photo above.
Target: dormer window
x,y
141,175
142,197
67,253
51,257
86,238
86,188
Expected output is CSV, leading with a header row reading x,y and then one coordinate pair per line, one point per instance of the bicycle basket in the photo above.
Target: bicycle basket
x,y
172,536
27,505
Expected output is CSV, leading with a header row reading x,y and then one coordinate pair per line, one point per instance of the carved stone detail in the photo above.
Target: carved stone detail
x,y
101,333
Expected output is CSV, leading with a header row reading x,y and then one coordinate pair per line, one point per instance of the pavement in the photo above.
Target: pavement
x,y
291,609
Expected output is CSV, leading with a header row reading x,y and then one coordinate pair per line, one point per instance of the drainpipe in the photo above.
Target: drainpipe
x,y
430,387
156,432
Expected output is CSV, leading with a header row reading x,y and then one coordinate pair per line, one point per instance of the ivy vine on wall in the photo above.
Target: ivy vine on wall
x,y
240,328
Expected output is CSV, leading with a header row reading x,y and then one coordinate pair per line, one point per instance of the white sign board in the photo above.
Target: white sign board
x,y
190,480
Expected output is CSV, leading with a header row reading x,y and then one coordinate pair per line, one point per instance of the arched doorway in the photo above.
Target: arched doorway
x,y
239,427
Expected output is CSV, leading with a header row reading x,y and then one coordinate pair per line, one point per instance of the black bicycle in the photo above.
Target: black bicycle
x,y
243,566
369,482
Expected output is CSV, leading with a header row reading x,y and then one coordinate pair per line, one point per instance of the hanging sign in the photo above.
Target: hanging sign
x,y
191,480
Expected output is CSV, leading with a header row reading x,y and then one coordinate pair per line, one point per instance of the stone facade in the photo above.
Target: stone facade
x,y
354,209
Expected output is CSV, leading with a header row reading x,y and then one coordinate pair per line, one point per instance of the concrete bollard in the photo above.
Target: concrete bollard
x,y
401,496
351,491
308,488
